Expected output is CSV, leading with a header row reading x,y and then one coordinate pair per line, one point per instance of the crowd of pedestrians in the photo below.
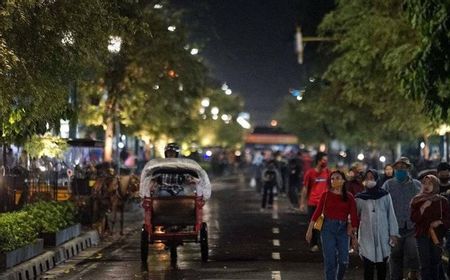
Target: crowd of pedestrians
x,y
401,223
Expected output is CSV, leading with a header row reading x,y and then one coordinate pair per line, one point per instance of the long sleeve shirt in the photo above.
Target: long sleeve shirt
x,y
377,224
438,210
401,194
336,208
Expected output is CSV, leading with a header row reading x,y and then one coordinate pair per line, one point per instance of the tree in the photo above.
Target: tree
x,y
44,47
427,76
152,83
222,131
363,103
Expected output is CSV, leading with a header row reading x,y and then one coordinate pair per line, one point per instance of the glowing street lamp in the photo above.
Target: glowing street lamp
x,y
114,44
205,102
194,51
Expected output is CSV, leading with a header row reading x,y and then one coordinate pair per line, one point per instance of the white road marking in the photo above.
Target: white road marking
x,y
276,275
275,255
276,242
275,215
275,230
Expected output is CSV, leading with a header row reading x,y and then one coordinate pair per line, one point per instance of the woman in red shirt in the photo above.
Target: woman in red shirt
x,y
337,205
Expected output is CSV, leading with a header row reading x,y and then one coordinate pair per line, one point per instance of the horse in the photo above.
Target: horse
x,y
110,194
127,188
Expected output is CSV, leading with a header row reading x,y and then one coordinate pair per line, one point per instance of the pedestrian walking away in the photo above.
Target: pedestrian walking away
x,y
271,179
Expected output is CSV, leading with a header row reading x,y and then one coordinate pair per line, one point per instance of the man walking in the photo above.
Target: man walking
x,y
315,183
402,189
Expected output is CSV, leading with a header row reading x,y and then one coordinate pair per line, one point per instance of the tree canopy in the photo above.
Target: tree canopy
x,y
427,76
44,46
363,101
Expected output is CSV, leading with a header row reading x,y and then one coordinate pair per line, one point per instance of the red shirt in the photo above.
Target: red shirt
x,y
336,208
316,184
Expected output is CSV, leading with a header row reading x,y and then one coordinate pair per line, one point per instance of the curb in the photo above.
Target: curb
x,y
31,269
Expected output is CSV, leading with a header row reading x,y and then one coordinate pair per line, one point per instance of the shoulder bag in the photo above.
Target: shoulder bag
x,y
319,222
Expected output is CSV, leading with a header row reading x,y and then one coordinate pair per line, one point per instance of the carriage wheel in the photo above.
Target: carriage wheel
x,y
144,244
204,242
173,254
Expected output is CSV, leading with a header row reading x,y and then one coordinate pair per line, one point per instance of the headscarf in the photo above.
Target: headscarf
x,y
423,196
375,192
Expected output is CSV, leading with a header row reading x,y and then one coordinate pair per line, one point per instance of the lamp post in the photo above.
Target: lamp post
x,y
300,42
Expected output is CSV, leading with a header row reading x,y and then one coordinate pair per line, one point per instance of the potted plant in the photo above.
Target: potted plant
x,y
18,239
55,221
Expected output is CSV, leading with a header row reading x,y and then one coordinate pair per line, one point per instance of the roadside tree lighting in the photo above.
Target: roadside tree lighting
x,y
194,51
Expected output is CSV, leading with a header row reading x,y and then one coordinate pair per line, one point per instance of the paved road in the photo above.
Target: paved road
x,y
244,242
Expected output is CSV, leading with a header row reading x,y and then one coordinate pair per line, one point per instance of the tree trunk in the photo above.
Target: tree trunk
x,y
426,149
109,134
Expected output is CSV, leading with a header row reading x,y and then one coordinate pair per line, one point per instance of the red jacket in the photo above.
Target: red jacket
x,y
432,213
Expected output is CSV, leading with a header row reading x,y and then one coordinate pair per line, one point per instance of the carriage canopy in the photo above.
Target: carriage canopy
x,y
156,167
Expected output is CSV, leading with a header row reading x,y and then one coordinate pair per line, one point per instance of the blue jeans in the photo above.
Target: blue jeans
x,y
335,246
430,258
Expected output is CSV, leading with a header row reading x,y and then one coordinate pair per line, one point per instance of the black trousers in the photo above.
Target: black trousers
x,y
370,267
315,234
268,190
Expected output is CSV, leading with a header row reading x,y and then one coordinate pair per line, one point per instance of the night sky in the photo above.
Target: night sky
x,y
250,45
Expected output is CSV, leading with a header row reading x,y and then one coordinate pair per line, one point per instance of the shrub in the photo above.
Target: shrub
x,y
20,228
16,230
51,216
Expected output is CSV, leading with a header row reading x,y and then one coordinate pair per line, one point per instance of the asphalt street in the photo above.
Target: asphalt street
x,y
244,243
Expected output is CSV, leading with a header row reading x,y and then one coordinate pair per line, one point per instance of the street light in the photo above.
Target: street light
x,y
300,43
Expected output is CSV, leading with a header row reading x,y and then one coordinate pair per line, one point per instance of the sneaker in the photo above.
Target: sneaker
x,y
314,249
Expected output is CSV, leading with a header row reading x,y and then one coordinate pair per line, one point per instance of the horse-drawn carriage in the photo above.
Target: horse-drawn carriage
x,y
174,192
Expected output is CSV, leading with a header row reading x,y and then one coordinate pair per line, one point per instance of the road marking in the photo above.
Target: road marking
x,y
276,242
275,255
275,230
275,215
276,275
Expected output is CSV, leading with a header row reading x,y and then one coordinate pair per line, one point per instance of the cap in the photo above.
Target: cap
x,y
403,160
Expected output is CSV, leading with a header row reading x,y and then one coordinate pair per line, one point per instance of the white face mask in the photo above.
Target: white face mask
x,y
370,184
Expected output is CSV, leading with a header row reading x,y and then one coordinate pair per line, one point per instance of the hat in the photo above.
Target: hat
x,y
425,172
443,166
403,160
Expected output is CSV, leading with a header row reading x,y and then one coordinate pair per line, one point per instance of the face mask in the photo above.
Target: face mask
x,y
370,184
323,164
337,184
401,175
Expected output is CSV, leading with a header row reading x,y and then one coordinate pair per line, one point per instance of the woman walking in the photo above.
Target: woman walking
x,y
336,205
378,228
429,211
